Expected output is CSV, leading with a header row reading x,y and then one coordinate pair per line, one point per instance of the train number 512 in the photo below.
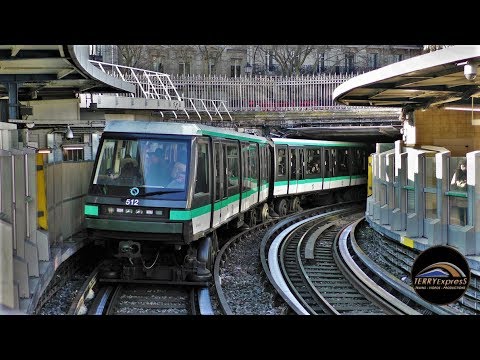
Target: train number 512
x,y
131,202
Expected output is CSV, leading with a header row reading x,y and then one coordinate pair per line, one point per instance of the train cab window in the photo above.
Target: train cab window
x,y
146,163
201,178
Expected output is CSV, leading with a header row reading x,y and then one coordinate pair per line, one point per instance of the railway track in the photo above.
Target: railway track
x,y
97,298
316,269
254,239
397,261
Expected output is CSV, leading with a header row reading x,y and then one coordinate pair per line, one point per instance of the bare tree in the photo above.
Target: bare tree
x,y
133,55
326,58
291,57
210,54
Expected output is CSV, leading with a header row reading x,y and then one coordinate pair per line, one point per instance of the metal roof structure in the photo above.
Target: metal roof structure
x,y
436,79
53,72
172,128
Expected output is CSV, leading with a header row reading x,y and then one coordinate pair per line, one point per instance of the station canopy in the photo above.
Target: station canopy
x,y
436,79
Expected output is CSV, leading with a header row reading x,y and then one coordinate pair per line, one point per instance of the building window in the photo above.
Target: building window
x,y
184,68
349,63
398,57
73,154
235,68
321,63
373,60
211,68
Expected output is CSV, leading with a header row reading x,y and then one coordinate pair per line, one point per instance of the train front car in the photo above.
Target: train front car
x,y
140,190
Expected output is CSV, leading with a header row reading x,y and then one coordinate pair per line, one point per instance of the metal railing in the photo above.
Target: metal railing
x,y
221,94
156,85
149,84
264,93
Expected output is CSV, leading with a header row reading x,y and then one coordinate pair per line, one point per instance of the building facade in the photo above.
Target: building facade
x,y
255,60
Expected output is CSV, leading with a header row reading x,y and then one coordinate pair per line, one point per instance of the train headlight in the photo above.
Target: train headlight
x,y
149,212
159,212
110,210
91,210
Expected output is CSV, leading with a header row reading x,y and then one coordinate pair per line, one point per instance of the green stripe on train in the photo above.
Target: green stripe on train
x,y
315,180
235,137
190,214
321,143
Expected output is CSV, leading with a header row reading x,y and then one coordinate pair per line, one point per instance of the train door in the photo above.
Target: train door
x,y
231,199
244,176
281,170
218,183
301,171
293,178
327,168
263,173
201,185
254,172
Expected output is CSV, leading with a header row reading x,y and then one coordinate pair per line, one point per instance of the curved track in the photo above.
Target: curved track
x,y
317,268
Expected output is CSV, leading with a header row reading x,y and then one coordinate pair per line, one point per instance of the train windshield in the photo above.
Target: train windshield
x,y
154,166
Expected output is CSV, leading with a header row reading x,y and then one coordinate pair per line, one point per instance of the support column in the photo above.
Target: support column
x,y
376,186
473,193
399,214
13,106
441,172
415,170
390,187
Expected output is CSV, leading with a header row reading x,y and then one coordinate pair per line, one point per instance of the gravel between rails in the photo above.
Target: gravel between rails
x,y
246,288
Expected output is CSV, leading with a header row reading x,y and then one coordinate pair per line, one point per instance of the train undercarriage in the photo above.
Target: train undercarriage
x,y
150,261
162,262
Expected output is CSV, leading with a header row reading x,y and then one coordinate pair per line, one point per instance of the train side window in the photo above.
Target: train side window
x,y
313,163
201,180
253,157
245,173
281,162
233,171
364,161
327,163
263,165
342,159
293,164
217,169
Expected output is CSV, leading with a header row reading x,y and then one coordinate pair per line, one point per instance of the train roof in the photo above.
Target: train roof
x,y
172,128
326,143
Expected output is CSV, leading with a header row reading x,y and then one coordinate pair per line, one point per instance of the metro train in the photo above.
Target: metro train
x,y
162,224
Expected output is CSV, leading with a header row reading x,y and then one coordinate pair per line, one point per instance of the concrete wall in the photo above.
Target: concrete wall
x,y
448,128
62,109
67,185
23,247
